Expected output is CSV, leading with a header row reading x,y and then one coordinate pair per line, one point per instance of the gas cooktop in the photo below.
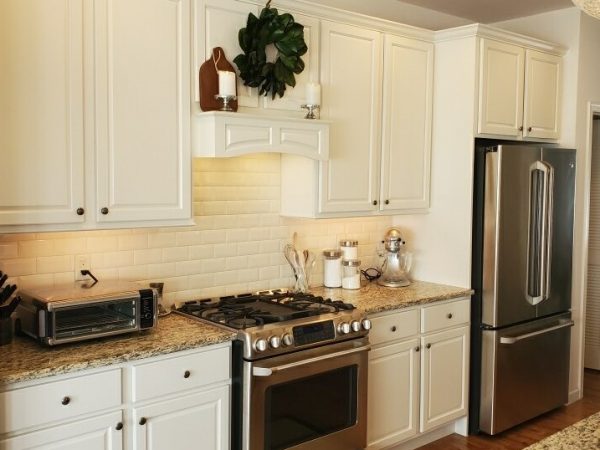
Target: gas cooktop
x,y
266,307
271,323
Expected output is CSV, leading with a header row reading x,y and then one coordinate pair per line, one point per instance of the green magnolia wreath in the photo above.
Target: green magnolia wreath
x,y
288,38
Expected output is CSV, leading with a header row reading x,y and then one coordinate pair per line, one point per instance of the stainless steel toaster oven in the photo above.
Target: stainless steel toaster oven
x,y
81,311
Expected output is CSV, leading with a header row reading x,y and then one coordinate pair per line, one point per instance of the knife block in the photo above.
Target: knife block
x,y
6,331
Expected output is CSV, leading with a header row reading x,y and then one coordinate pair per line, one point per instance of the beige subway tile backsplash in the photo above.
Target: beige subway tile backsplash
x,y
235,246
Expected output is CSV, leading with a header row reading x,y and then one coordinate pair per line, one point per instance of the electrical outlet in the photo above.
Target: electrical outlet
x,y
82,262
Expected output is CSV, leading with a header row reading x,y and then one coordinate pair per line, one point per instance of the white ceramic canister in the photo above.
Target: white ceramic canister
x,y
351,274
349,250
332,268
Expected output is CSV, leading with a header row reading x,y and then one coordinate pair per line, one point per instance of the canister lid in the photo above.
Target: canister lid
x,y
332,253
351,262
348,243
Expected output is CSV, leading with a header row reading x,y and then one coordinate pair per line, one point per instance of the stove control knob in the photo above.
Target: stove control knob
x,y
260,345
275,341
366,324
355,326
343,328
287,339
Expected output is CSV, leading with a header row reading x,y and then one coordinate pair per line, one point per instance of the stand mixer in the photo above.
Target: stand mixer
x,y
397,262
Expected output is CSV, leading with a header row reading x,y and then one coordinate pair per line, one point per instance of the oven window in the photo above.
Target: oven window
x,y
94,319
308,408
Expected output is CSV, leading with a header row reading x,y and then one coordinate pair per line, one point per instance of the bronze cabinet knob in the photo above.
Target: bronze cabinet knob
x,y
143,421
104,210
449,316
387,202
66,401
428,346
119,426
80,211
375,202
186,374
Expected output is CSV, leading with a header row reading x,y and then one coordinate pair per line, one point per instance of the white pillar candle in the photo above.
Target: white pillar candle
x,y
313,94
226,83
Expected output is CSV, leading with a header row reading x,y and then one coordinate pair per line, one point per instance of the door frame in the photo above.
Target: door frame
x,y
581,278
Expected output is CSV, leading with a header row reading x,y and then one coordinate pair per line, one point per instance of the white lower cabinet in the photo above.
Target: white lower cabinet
x,y
199,420
418,372
98,410
98,433
393,411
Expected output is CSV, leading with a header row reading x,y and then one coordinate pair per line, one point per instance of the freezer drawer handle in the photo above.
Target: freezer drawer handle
x,y
513,339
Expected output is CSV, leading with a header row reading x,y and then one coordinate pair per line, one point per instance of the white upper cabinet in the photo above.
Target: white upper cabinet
x,y
378,95
95,114
407,117
542,95
519,91
351,76
142,110
41,112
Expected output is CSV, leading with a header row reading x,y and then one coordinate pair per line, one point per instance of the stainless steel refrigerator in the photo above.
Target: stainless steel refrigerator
x,y
522,257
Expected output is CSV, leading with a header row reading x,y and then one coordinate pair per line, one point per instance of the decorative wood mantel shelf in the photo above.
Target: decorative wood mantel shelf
x,y
226,134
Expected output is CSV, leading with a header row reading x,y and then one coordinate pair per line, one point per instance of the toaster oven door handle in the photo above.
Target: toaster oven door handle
x,y
258,371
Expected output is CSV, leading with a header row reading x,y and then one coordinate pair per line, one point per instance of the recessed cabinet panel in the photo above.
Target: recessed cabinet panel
x,y
393,394
351,79
501,88
444,377
408,89
236,135
218,23
98,433
41,111
542,95
196,421
142,111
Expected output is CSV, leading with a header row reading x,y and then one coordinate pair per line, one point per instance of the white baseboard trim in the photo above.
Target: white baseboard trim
x,y
426,438
574,395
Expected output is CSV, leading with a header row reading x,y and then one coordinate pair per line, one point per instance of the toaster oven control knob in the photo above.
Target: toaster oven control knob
x,y
355,325
343,328
260,345
366,324
274,341
287,339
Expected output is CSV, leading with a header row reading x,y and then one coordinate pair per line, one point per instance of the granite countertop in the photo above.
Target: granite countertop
x,y
373,298
24,359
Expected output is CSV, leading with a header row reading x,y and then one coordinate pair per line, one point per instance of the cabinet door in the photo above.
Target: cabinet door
x,y
142,78
542,95
444,377
407,94
41,111
351,81
196,421
393,399
98,433
501,80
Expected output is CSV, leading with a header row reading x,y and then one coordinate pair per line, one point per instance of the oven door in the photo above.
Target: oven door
x,y
313,399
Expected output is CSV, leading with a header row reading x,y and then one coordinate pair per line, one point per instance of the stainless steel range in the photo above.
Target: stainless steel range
x,y
299,369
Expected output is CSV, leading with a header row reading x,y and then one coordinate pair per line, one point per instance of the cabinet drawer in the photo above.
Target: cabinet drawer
x,y
446,315
59,400
394,326
173,375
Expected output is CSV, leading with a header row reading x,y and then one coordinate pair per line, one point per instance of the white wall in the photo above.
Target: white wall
x,y
441,240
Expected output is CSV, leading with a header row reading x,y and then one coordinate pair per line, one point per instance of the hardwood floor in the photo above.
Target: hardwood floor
x,y
534,430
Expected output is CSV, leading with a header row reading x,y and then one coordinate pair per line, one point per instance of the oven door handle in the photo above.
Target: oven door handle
x,y
268,371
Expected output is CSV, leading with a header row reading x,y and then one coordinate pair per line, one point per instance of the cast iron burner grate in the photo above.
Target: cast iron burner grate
x,y
250,310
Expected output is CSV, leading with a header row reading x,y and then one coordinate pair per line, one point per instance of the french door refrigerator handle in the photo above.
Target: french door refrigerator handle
x,y
539,238
513,339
